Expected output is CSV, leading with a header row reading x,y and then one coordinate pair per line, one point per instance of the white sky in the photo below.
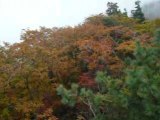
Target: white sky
x,y
16,15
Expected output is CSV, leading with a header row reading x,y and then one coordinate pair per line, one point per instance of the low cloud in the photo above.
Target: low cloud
x,y
152,10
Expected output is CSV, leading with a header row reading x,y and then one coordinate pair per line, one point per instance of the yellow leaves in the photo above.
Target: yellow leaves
x,y
70,54
126,91
148,27
27,106
126,48
125,21
96,20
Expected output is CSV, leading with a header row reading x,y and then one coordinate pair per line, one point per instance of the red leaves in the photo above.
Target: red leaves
x,y
86,80
62,55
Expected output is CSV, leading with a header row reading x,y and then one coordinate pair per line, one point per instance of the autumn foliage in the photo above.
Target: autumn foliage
x,y
31,71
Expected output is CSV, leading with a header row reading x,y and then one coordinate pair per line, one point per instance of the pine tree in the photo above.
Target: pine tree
x,y
143,83
137,13
113,9
134,97
125,13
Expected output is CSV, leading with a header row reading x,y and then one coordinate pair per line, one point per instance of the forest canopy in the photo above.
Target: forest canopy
x,y
107,68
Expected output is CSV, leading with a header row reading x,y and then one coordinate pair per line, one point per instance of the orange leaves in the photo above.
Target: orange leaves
x,y
126,49
94,51
96,20
47,114
121,34
31,70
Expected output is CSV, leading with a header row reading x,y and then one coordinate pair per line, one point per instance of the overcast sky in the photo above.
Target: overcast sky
x,y
16,15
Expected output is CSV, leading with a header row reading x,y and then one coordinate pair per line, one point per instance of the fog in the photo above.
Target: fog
x,y
16,15
152,10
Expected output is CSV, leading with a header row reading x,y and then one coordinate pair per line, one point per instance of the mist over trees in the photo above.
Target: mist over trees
x,y
151,10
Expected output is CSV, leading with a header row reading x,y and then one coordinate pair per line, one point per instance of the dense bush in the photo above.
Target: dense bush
x,y
134,97
106,68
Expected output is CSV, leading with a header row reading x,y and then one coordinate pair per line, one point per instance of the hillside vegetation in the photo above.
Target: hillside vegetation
x,y
107,68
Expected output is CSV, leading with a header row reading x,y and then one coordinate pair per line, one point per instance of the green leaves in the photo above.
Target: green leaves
x,y
5,114
101,77
68,96
113,9
143,82
138,14
136,95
